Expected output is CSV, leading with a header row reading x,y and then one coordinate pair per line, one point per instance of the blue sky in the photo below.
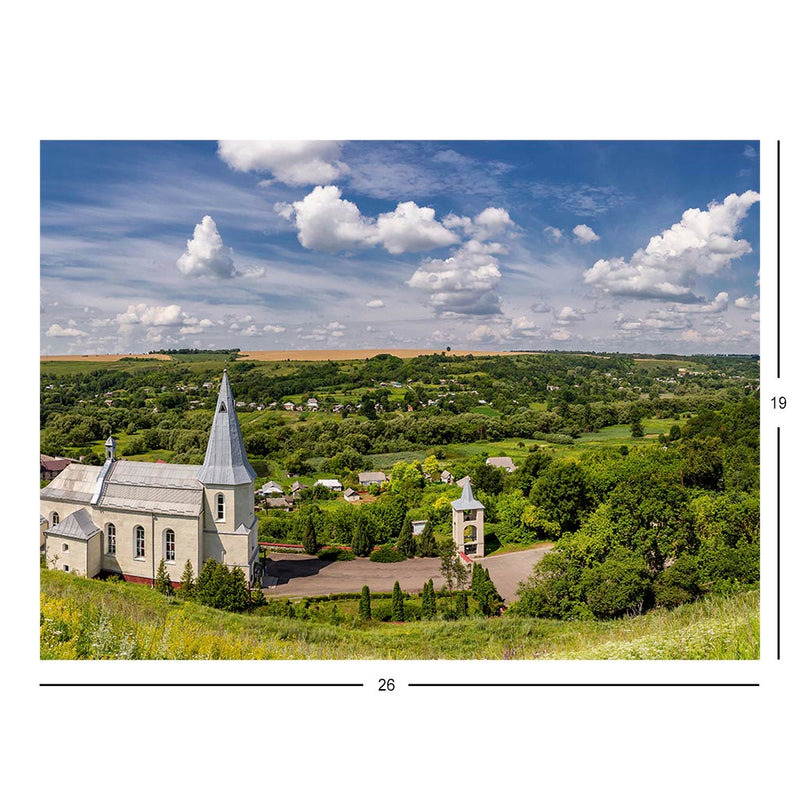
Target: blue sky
x,y
614,246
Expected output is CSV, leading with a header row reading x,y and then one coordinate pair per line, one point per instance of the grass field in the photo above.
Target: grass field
x,y
83,618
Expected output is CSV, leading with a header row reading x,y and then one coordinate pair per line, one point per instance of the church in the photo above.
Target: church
x,y
124,517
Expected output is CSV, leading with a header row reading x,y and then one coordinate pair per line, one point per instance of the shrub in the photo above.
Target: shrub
x,y
678,583
336,554
386,555
617,586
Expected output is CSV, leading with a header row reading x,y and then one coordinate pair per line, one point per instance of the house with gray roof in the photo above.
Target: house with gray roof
x,y
370,478
501,462
124,517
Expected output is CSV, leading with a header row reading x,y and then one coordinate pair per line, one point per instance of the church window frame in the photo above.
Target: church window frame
x,y
55,518
169,546
111,539
64,547
220,507
139,550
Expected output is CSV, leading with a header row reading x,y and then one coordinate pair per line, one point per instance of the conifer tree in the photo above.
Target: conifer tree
x,y
236,596
204,588
362,539
428,600
462,604
426,544
257,598
187,581
485,593
218,588
336,616
405,542
365,604
162,582
310,544
398,613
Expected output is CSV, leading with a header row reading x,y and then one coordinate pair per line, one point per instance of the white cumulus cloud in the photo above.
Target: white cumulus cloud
x,y
702,243
296,163
66,333
465,283
376,303
154,316
274,329
206,254
328,223
411,229
746,302
584,234
554,233
569,314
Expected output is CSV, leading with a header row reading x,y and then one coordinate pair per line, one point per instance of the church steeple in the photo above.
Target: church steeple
x,y
111,448
226,462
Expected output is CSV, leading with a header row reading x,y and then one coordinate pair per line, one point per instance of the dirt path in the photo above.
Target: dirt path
x,y
306,576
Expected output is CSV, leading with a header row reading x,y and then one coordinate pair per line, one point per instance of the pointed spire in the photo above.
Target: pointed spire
x,y
467,500
226,461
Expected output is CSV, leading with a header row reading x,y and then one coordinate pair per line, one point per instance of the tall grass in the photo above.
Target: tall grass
x,y
82,618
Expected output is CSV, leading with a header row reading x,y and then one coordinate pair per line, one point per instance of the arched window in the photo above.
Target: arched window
x,y
138,538
65,548
169,545
221,506
56,519
111,539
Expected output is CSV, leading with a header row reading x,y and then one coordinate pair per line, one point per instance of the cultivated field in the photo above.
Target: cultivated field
x,y
108,357
351,355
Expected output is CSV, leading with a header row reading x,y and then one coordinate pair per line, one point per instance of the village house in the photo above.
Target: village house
x,y
296,488
501,462
50,467
447,476
270,488
372,478
417,526
351,495
126,516
329,483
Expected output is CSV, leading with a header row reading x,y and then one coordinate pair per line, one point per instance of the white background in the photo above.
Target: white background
x,y
413,70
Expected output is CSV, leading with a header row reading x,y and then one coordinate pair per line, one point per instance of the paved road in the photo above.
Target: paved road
x,y
306,576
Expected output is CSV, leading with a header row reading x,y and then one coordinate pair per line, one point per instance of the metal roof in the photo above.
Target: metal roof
x,y
226,462
503,462
156,488
149,473
467,501
78,525
371,476
76,483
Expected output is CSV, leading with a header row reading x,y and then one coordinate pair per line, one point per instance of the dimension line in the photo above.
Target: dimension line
x,y
779,259
554,685
778,512
191,685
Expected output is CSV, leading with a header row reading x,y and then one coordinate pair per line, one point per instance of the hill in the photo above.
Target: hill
x,y
91,619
